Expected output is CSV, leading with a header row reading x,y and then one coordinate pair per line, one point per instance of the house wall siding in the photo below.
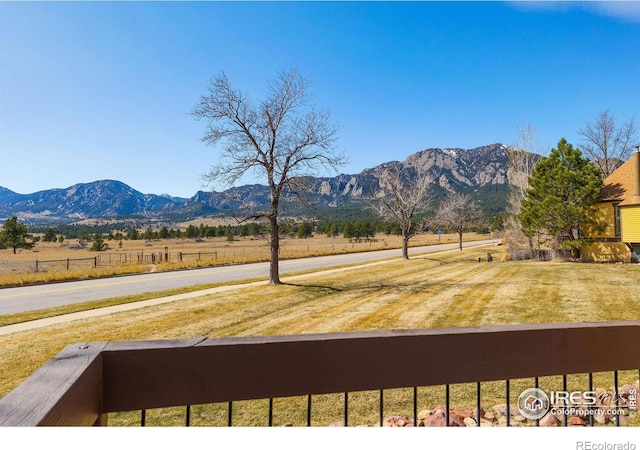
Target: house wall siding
x,y
606,252
630,218
602,212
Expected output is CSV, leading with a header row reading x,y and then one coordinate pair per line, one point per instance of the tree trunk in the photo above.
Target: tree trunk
x,y
532,252
405,246
460,240
274,270
575,253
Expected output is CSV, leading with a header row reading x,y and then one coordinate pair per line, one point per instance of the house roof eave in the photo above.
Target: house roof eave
x,y
631,201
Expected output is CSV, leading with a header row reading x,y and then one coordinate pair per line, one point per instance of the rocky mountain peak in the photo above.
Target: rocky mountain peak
x,y
481,171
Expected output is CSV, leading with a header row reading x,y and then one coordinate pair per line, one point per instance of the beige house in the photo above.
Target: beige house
x,y
619,210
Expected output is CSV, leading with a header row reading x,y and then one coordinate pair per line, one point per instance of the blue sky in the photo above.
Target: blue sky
x,y
92,91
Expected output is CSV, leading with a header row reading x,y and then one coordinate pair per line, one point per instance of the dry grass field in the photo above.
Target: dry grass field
x,y
449,289
138,256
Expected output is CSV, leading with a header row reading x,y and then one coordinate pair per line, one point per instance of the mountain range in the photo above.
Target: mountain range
x,y
482,172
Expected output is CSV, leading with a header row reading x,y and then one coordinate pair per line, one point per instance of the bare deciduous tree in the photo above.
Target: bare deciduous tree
x,y
606,143
522,157
282,137
399,200
457,212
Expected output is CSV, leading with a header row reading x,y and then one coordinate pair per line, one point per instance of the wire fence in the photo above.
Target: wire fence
x,y
206,257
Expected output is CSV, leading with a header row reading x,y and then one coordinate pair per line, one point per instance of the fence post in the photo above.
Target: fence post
x,y
95,262
67,263
36,265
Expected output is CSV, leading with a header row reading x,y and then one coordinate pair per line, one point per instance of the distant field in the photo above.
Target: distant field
x,y
449,289
48,261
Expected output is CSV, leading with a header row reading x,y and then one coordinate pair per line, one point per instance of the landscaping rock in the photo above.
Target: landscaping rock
x,y
624,420
600,417
549,420
455,420
461,413
475,413
625,391
486,423
437,419
500,410
576,421
396,421
469,422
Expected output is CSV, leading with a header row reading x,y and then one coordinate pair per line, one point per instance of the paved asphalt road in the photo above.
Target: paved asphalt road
x,y
30,298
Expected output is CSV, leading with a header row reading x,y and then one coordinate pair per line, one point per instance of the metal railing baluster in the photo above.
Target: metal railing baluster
x,y
508,395
564,388
346,409
446,407
537,386
617,396
415,406
478,405
591,408
381,407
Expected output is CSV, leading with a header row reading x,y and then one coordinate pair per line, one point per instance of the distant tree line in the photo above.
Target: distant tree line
x,y
365,228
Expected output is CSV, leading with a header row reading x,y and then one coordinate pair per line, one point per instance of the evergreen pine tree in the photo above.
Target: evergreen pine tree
x,y
562,188
14,235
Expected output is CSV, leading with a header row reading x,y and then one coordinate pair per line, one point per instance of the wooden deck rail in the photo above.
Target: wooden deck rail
x,y
84,382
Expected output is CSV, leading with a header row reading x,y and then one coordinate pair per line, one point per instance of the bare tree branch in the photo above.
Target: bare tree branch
x,y
522,158
608,144
399,200
458,212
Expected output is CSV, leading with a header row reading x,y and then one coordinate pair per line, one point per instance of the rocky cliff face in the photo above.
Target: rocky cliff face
x,y
450,169
481,171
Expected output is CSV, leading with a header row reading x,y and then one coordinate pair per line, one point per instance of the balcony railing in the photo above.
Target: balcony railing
x,y
85,382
